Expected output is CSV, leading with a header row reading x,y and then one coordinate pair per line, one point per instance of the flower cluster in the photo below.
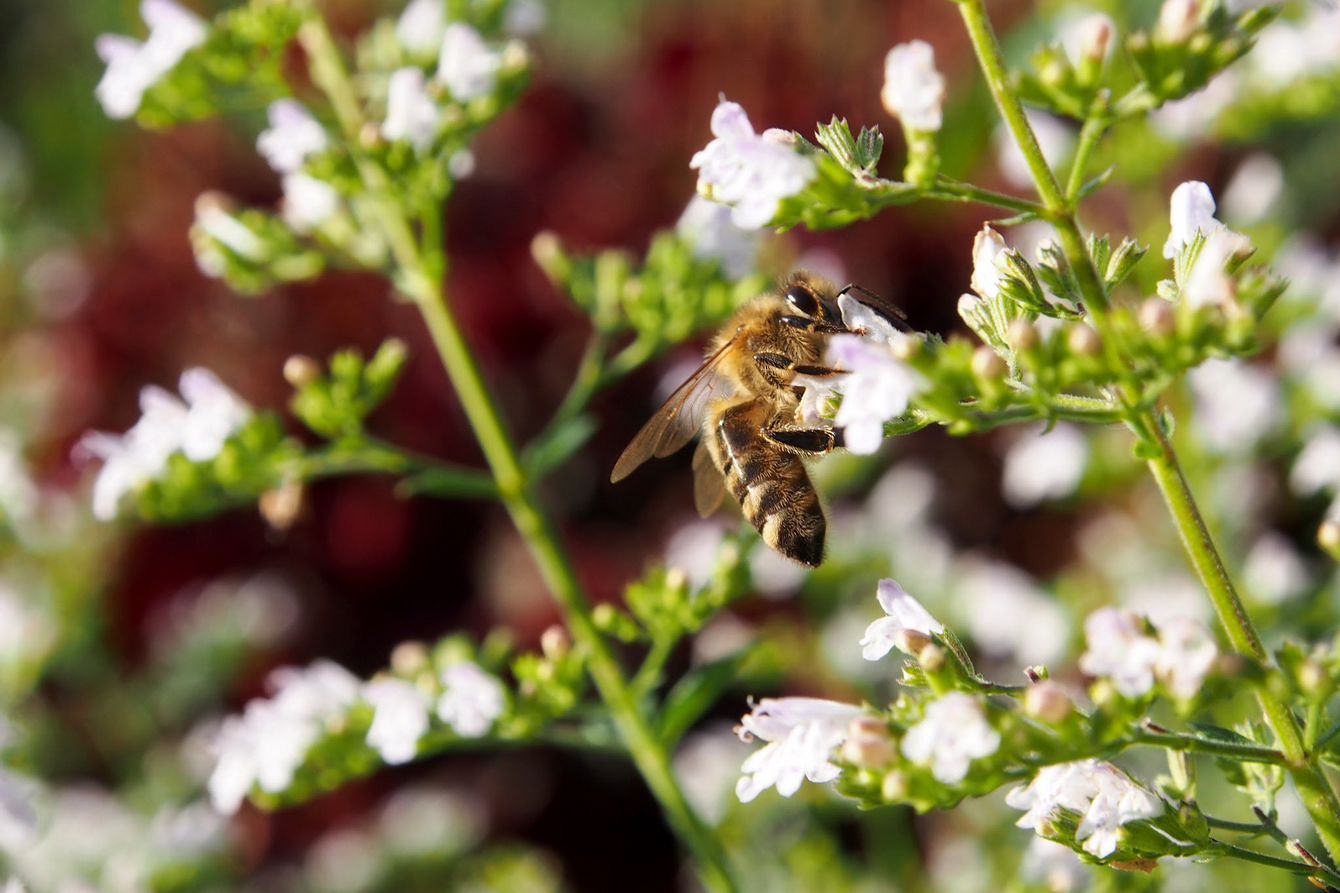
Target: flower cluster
x,y
751,171
197,428
133,66
270,741
1179,653
1101,795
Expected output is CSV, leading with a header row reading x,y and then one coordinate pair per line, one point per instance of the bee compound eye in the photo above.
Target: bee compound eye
x,y
802,299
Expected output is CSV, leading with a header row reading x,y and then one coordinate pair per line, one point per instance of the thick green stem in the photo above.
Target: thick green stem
x,y
1317,794
422,276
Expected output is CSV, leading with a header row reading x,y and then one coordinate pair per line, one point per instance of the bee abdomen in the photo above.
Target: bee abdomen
x,y
770,484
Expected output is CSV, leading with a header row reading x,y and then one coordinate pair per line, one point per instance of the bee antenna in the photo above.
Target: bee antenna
x,y
885,308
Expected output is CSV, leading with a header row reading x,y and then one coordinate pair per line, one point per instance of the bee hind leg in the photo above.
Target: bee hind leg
x,y
813,441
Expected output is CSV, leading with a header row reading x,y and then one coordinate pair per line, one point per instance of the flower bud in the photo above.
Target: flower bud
x,y
1095,38
280,506
1084,341
1178,20
301,370
931,658
1313,679
780,137
987,364
1328,536
894,788
1022,336
370,135
1046,701
1053,72
555,642
1156,318
912,641
868,743
409,658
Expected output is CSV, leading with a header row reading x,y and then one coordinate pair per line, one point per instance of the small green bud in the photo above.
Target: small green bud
x,y
1046,701
1095,38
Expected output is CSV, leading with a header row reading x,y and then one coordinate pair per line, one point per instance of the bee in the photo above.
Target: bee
x,y
746,403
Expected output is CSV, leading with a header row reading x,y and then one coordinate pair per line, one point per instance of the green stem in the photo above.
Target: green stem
x,y
426,287
648,675
1089,135
1318,796
1252,828
947,189
1245,753
1233,851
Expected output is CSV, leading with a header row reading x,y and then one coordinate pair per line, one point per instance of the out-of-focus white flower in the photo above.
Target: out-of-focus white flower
x,y
1163,596
419,28
1273,570
18,810
802,734
1237,405
213,415
27,632
399,720
1054,866
461,164
525,18
430,821
1118,649
1186,654
411,114
706,763
904,613
308,202
750,171
18,493
953,732
1191,211
1208,283
1044,465
266,744
1255,188
1008,615
466,65
1287,50
1318,464
471,701
913,90
140,454
693,550
710,230
293,134
1055,139
1193,116
877,387
133,67
214,217
1178,20
1105,797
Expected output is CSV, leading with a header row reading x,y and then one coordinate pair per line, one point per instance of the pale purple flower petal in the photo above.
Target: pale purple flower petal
x,y
746,170
953,732
293,135
802,735
466,65
471,701
904,613
913,89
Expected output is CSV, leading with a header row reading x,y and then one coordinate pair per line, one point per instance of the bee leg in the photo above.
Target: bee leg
x,y
813,325
778,361
814,441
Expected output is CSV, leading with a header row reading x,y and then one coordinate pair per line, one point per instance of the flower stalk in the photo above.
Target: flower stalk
x,y
1318,796
421,276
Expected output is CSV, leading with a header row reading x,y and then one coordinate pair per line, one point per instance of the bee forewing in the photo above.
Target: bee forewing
x,y
709,485
675,423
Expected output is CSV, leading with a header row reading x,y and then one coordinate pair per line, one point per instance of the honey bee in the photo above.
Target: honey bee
x,y
745,402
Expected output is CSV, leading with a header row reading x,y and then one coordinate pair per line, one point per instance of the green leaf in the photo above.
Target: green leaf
x,y
696,692
1219,733
542,457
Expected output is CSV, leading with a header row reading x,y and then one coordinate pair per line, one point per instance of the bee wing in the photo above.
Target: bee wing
x,y
709,486
675,423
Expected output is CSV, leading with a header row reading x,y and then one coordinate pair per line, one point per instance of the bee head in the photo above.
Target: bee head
x,y
803,299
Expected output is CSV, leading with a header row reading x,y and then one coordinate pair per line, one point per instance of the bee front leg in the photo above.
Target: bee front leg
x,y
786,364
813,441
809,324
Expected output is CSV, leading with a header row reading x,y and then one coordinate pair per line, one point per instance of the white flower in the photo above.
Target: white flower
x,y
913,89
953,732
876,388
1254,189
1053,866
268,742
293,134
1191,211
802,734
904,613
419,28
465,64
1186,654
215,413
308,202
213,216
411,113
752,172
1044,465
461,164
1104,796
137,456
400,718
1318,464
1273,569
987,248
134,67
1055,139
1237,405
1208,283
709,229
1119,650
1007,615
471,700
524,17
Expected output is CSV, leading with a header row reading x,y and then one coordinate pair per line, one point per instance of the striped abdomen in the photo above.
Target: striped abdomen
x,y
769,482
